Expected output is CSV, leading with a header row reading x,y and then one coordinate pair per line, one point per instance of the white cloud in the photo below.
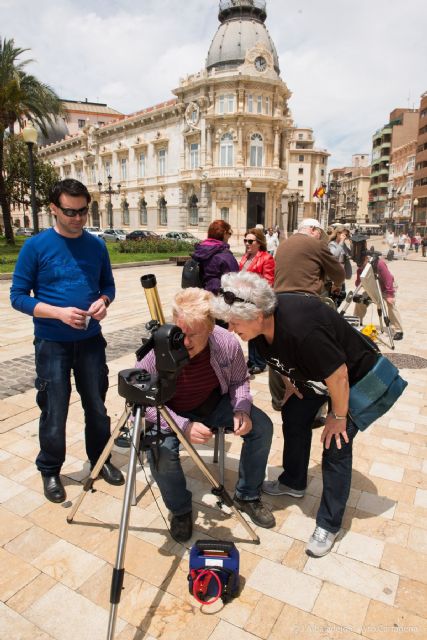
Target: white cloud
x,y
347,63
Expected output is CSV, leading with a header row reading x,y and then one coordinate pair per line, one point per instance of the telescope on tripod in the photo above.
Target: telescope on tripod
x,y
142,389
369,290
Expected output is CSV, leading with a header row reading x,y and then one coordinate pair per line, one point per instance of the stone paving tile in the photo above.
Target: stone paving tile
x,y
294,623
383,622
405,562
12,625
351,616
14,574
264,617
73,621
285,584
361,547
412,596
385,520
356,576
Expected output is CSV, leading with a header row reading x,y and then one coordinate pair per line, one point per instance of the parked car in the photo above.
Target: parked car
x,y
113,235
141,234
24,231
181,235
94,231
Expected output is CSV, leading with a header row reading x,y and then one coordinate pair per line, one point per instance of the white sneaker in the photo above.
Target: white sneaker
x,y
276,488
320,543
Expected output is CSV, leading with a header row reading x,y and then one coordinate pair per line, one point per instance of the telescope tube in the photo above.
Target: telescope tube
x,y
149,284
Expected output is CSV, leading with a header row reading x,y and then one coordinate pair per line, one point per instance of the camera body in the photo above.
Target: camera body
x,y
155,389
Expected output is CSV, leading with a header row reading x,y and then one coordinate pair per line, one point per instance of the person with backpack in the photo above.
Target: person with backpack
x,y
213,258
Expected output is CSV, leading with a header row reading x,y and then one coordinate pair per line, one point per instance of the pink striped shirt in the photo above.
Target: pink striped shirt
x,y
228,362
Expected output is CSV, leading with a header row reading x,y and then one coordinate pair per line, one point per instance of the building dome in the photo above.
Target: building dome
x,y
242,27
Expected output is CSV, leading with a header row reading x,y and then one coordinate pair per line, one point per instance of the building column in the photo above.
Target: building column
x,y
239,162
276,148
208,145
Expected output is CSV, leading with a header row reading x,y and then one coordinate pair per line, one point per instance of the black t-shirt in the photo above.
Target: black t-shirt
x,y
311,341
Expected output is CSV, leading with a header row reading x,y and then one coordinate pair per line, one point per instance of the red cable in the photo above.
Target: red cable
x,y
198,579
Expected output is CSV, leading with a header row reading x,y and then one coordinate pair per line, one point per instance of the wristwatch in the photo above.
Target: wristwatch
x,y
106,300
338,417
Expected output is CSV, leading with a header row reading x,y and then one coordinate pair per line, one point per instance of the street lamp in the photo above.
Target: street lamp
x,y
392,204
109,191
414,213
29,134
293,206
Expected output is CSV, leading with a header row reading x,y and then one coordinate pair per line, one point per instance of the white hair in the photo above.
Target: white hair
x,y
257,294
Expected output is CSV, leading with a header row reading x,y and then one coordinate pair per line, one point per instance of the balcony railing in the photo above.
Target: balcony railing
x,y
235,173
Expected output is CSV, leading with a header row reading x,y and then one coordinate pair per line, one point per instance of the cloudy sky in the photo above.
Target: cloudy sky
x,y
348,63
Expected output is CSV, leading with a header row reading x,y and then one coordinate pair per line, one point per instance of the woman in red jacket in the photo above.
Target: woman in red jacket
x,y
257,260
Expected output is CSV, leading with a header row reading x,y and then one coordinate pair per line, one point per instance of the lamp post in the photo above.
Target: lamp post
x,y
248,187
414,212
29,134
392,204
294,201
109,191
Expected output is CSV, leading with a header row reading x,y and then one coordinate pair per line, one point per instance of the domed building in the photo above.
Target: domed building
x,y
224,147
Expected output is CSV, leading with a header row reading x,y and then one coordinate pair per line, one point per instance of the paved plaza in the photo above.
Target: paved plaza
x,y
55,577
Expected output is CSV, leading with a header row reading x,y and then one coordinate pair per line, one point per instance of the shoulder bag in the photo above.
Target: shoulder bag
x,y
376,392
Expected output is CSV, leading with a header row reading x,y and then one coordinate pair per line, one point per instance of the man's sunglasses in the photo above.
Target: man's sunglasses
x,y
230,297
249,241
72,213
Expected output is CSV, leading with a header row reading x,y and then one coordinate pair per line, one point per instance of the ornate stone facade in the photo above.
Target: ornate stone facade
x,y
219,149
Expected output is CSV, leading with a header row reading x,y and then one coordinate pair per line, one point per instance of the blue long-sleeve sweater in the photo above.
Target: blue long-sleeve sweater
x,y
63,272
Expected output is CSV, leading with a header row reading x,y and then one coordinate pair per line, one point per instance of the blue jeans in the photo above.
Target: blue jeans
x,y
54,363
298,416
170,477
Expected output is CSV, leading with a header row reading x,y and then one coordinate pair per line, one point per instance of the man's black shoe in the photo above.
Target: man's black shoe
x,y
398,335
53,488
111,474
257,511
182,527
124,438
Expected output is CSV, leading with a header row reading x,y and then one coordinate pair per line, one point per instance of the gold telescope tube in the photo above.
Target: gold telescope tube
x,y
149,284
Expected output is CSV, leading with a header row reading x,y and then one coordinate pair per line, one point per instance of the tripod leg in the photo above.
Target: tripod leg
x,y
97,468
217,488
119,571
349,299
383,313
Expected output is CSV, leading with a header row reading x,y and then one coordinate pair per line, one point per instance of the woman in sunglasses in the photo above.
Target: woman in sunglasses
x,y
257,260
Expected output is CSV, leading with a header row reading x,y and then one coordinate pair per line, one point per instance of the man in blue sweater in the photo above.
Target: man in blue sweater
x,y
69,272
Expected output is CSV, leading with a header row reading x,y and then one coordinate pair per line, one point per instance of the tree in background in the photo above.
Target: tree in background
x,y
17,175
22,97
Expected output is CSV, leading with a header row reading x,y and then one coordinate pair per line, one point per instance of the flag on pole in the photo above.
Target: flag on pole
x,y
320,191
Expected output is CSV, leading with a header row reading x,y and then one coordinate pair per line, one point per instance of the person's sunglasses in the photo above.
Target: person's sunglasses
x,y
72,213
230,297
249,241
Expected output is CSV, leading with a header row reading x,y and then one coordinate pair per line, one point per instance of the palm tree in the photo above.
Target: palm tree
x,y
22,97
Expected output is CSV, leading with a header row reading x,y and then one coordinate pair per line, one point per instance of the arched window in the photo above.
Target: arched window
x,y
193,210
143,212
226,150
163,212
256,150
125,212
94,212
